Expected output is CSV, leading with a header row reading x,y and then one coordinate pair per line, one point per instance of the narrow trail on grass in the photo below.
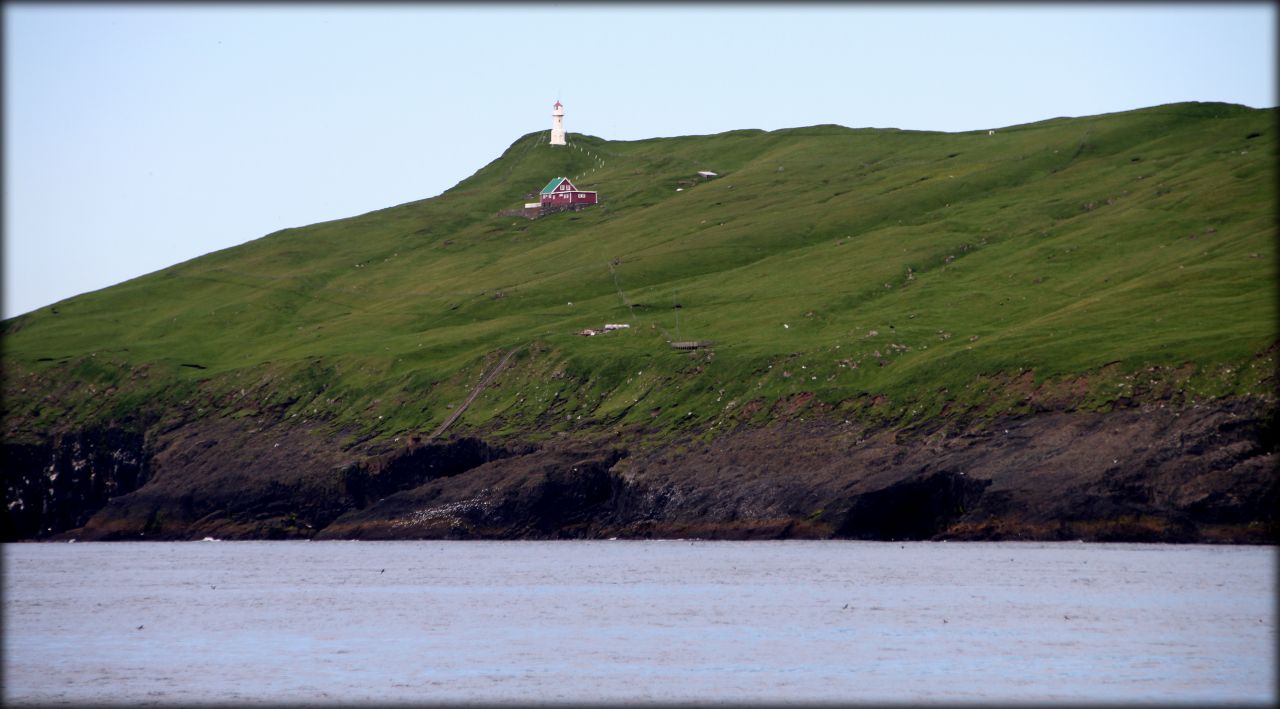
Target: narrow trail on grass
x,y
484,382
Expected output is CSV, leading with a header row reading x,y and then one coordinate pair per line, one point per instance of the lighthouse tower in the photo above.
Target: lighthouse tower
x,y
557,124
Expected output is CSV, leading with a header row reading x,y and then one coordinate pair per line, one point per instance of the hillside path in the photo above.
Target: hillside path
x,y
484,381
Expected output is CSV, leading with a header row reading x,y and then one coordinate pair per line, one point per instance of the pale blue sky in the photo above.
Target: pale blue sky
x,y
139,136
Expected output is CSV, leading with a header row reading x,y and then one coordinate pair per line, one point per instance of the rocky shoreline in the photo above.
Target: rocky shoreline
x,y
1205,473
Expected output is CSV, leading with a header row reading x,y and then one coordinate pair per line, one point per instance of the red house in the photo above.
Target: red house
x,y
560,192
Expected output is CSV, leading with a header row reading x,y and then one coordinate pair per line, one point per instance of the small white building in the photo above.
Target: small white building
x,y
557,124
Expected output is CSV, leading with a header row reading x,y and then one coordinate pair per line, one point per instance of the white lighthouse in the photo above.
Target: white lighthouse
x,y
557,124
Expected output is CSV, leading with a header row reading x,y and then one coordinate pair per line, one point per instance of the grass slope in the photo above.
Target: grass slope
x,y
898,274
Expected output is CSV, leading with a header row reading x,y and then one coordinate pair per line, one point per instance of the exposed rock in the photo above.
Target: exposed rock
x,y
1200,473
552,493
59,485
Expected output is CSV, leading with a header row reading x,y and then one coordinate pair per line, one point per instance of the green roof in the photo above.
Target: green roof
x,y
552,185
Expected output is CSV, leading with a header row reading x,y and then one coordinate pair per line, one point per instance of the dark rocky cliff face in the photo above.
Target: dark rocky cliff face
x,y
239,480
1156,475
916,508
59,485
376,478
555,492
1142,474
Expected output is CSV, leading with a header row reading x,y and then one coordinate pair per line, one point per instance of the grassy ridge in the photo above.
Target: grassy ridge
x,y
920,267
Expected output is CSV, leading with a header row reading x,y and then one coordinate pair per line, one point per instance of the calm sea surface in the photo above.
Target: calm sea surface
x,y
629,621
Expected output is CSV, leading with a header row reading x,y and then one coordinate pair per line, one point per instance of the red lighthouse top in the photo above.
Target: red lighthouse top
x,y
557,105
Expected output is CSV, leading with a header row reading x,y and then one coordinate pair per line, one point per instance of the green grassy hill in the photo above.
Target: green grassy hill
x,y
891,274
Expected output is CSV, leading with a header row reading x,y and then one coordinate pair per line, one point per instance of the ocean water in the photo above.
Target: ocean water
x,y
636,622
